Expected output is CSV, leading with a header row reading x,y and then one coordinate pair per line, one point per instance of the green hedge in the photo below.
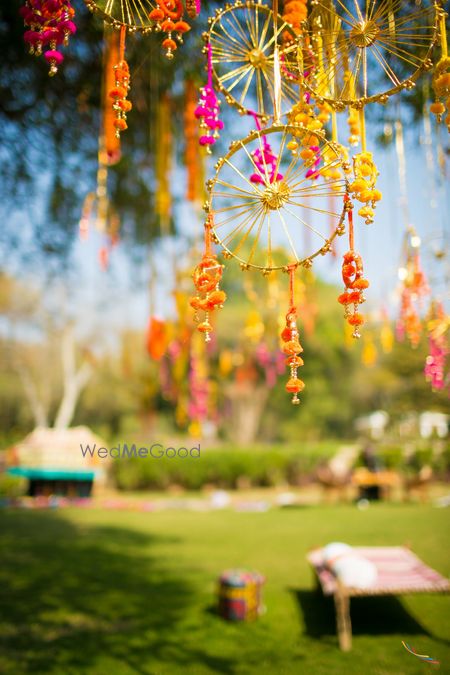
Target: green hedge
x,y
224,467
259,466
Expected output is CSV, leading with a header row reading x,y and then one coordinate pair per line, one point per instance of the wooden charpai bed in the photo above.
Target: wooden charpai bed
x,y
399,571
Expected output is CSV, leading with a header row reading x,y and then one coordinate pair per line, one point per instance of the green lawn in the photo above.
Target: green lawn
x,y
113,593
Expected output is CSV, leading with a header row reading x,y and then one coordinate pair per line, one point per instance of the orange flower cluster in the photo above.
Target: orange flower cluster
x,y
292,348
295,12
441,87
355,284
363,187
119,93
207,276
168,18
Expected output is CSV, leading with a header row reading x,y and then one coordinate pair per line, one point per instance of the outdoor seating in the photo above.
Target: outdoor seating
x,y
399,572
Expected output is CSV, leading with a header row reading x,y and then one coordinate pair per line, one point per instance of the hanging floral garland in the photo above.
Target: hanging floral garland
x,y
51,24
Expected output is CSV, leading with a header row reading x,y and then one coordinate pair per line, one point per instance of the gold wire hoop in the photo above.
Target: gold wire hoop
x,y
133,14
242,36
366,54
249,218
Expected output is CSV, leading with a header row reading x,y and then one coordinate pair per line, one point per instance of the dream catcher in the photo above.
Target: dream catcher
x,y
358,53
276,182
254,58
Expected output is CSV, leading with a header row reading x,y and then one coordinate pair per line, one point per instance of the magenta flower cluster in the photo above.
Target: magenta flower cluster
x,y
50,24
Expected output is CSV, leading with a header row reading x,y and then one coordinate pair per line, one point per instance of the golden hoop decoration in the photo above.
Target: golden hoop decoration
x,y
366,54
133,14
242,36
253,222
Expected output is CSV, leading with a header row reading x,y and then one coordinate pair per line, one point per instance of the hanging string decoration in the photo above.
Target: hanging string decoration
x,y
438,350
156,338
207,276
441,75
50,24
109,139
192,157
291,346
119,92
168,18
208,108
295,13
163,161
414,287
363,187
354,282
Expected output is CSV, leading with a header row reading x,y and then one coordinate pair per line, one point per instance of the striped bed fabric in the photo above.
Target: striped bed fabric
x,y
399,572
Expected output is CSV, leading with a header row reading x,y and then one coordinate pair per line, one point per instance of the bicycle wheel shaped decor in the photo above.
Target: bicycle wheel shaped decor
x,y
265,195
366,51
133,14
242,38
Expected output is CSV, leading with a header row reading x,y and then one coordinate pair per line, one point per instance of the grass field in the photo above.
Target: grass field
x,y
115,593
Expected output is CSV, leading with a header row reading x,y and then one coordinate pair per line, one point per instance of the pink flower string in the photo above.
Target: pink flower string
x,y
208,108
199,392
265,160
50,23
435,363
273,363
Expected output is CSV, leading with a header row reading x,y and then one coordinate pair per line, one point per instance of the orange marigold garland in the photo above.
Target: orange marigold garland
x,y
119,92
192,157
111,140
168,18
295,12
290,343
207,276
354,282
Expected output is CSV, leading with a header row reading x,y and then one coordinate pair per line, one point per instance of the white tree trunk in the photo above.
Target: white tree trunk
x,y
37,407
74,381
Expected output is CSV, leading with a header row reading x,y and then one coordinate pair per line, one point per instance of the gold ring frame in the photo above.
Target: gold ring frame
x,y
242,39
133,14
262,225
366,54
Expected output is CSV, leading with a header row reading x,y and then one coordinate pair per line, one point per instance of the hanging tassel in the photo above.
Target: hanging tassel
x,y
352,276
365,175
111,57
168,18
441,76
291,346
119,92
207,276
208,108
193,159
50,23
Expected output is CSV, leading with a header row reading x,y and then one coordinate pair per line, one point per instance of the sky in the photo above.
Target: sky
x,y
380,244
120,297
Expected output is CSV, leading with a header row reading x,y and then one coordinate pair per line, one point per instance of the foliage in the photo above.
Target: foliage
x,y
225,467
12,486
